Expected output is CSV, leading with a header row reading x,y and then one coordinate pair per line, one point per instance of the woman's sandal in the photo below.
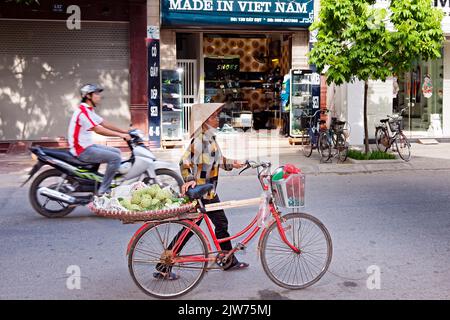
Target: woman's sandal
x,y
165,276
237,266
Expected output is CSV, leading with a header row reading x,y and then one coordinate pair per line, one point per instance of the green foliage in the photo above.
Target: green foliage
x,y
373,155
354,42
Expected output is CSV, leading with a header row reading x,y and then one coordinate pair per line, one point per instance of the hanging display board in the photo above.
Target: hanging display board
x,y
238,13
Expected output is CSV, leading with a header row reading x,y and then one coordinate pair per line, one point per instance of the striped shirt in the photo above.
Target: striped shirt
x,y
201,161
80,128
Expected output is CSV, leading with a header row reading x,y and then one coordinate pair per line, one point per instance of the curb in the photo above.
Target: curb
x,y
382,161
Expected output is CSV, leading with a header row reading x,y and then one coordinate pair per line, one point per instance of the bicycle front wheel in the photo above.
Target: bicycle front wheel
x,y
151,253
403,147
342,147
308,146
292,270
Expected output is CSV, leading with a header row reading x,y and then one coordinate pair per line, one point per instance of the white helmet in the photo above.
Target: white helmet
x,y
89,88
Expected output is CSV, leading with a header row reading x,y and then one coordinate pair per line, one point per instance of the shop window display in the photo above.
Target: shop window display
x,y
420,91
244,72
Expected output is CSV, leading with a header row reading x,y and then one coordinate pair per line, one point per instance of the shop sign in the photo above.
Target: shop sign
x,y
272,13
154,87
445,6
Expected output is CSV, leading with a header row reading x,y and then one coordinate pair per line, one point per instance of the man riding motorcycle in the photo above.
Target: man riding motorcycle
x,y
82,125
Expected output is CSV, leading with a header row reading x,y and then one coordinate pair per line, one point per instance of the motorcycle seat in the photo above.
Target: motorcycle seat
x,y
199,191
66,156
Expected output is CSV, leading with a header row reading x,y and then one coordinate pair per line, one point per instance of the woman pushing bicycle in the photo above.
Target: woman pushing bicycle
x,y
200,165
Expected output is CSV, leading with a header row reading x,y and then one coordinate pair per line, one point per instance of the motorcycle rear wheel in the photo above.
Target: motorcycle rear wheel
x,y
61,210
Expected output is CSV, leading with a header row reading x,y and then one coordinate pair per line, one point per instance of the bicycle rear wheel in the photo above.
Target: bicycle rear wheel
x,y
287,268
152,249
324,147
403,147
380,136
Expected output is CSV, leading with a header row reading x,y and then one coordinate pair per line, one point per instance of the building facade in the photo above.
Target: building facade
x,y
424,92
231,51
49,50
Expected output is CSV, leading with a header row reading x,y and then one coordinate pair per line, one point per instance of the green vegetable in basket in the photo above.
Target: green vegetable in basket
x,y
126,203
163,195
135,207
155,202
169,201
146,203
136,198
153,190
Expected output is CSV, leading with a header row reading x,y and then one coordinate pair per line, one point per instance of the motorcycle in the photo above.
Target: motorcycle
x,y
70,183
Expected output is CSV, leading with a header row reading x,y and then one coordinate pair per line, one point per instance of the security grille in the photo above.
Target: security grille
x,y
190,81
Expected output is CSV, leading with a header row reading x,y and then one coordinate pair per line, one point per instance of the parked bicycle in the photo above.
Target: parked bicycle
x,y
310,141
389,134
333,141
295,248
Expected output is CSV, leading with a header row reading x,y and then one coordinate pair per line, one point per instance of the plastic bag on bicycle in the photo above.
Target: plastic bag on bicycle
x,y
264,211
289,187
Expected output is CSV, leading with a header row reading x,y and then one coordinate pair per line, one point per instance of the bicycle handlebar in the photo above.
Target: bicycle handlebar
x,y
397,114
255,165
323,111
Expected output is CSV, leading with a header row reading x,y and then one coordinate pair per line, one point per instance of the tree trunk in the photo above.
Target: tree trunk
x,y
366,129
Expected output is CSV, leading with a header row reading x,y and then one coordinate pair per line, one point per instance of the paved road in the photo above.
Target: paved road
x,y
397,222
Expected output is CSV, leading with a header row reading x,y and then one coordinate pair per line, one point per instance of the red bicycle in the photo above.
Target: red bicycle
x,y
295,248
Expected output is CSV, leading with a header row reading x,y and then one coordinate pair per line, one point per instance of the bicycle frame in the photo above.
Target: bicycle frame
x,y
217,242
193,225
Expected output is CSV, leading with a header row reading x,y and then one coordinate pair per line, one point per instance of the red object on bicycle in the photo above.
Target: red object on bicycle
x,y
290,169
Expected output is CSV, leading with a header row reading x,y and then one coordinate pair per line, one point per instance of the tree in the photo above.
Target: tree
x,y
357,39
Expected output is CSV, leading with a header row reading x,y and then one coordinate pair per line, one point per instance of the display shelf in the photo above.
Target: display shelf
x,y
172,105
304,98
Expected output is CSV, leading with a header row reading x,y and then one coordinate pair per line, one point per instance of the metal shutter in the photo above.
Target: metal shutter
x,y
42,66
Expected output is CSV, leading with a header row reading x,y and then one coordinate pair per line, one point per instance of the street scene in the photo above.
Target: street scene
x,y
392,220
224,151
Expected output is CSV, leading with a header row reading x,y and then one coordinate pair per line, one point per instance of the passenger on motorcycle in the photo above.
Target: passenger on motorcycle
x,y
82,125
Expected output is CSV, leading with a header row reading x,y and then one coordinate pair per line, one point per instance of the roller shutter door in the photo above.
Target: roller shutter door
x,y
42,66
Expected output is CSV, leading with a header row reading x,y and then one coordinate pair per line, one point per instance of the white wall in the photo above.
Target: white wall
x,y
379,103
446,98
355,111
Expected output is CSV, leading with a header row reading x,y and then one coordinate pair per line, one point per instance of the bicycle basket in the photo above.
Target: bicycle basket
x,y
396,124
289,192
337,125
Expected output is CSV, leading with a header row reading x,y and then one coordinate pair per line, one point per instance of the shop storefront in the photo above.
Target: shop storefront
x,y
421,91
239,57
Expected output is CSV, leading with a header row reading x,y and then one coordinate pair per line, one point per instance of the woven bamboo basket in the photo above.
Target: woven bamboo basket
x,y
187,211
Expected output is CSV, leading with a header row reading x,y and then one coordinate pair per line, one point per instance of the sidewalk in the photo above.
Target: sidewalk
x,y
423,157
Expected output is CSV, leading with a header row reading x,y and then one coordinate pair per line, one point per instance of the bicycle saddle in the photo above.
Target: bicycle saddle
x,y
199,191
384,120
